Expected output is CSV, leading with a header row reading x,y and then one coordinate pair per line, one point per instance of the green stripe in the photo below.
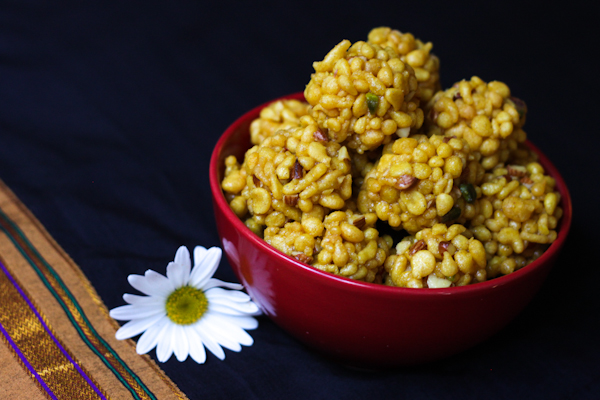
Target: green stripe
x,y
34,251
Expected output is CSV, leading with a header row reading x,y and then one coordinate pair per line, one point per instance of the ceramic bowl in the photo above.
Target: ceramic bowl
x,y
364,324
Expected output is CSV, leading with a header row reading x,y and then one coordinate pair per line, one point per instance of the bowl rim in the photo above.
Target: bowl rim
x,y
341,282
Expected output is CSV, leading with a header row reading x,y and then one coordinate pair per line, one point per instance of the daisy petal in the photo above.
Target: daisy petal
x,y
164,348
197,351
142,300
222,336
136,326
178,274
214,282
152,284
220,308
199,253
150,338
246,308
210,343
182,257
230,331
202,272
127,312
233,295
179,342
244,322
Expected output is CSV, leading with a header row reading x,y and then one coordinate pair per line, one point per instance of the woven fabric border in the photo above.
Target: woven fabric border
x,y
30,245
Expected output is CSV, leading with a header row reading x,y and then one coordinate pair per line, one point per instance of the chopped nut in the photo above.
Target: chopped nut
x,y
320,136
448,138
443,247
468,192
372,102
526,181
303,258
455,192
519,105
517,170
466,172
453,214
403,132
405,181
297,171
420,245
360,222
257,181
433,115
291,199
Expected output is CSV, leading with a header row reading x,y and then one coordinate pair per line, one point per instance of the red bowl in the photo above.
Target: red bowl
x,y
364,324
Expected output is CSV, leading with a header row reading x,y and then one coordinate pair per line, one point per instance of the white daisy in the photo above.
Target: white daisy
x,y
187,310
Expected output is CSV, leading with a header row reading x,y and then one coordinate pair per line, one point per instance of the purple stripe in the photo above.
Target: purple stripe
x,y
62,349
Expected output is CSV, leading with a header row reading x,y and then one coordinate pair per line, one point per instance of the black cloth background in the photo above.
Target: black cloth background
x,y
109,112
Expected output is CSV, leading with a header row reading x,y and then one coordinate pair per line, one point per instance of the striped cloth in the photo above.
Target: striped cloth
x,y
57,340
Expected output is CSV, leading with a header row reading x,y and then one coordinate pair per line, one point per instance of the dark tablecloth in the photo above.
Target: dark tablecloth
x,y
109,112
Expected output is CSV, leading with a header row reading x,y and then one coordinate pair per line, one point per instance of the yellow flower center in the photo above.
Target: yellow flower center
x,y
186,305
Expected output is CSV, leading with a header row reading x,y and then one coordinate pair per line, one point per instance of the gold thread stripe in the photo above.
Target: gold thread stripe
x,y
74,312
33,341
